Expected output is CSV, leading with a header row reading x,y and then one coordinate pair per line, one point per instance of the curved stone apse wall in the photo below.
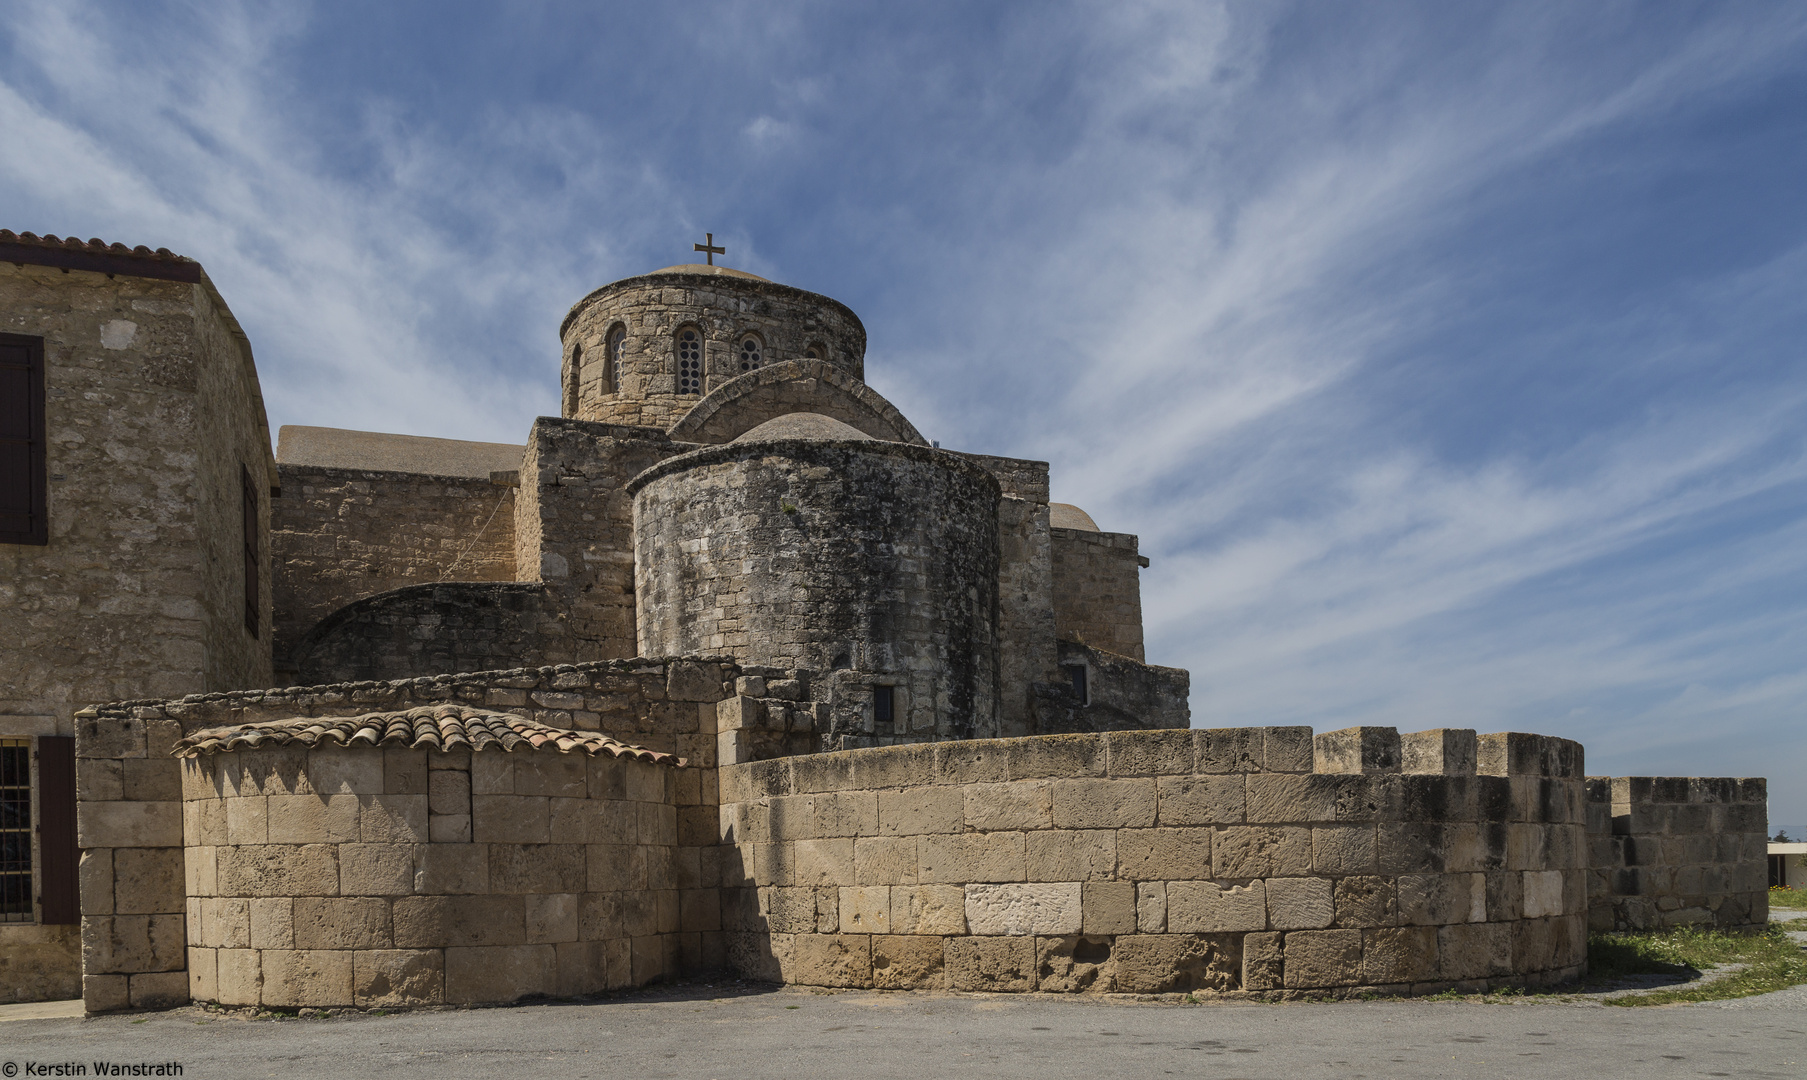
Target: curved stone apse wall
x,y
1235,860
818,555
375,877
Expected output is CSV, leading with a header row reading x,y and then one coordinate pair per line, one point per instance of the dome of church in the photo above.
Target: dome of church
x,y
802,425
699,268
1068,516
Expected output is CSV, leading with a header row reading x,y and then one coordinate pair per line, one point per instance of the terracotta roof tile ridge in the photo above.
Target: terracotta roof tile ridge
x,y
95,246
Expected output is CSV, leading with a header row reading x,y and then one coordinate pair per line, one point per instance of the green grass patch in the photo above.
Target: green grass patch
x,y
1788,899
1770,959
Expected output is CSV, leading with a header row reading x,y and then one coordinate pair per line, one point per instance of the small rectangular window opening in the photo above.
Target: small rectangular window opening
x,y
23,476
1077,673
884,704
15,831
248,505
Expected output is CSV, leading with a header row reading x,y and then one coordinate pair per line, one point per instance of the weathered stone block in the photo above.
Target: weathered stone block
x,y
1149,753
865,909
449,828
1024,804
95,877
1054,756
152,780
1339,851
240,976
1206,907
902,962
1401,954
386,978
341,923
1108,907
928,909
499,973
536,868
884,860
1357,750
1263,959
225,923
1104,804
312,819
428,922
1073,964
1443,751
510,819
450,868
1259,851
303,979
1165,854
1218,751
959,859
1474,951
845,813
831,960
279,870
1151,907
1365,901
1172,963
1000,964
691,681
1064,855
1323,958
128,824
1052,908
823,862
272,923
1287,749
1438,899
405,772
203,975
970,763
148,880
1200,800
921,811
551,917
341,771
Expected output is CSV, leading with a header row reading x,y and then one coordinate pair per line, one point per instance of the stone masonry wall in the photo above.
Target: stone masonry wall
x,y
423,630
1121,695
738,405
129,789
1234,861
1098,590
1677,851
818,555
385,877
340,535
1026,638
724,308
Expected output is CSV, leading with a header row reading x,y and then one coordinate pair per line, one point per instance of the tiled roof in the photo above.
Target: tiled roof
x,y
96,255
428,727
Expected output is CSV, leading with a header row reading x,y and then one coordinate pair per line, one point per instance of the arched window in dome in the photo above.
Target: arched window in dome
x,y
752,353
615,359
815,351
690,360
574,379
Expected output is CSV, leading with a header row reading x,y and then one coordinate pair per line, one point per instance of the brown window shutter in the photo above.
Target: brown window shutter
x,y
59,898
249,504
23,481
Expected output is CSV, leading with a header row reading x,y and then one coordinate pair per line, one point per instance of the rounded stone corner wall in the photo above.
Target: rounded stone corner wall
x,y
1245,861
874,564
381,876
725,309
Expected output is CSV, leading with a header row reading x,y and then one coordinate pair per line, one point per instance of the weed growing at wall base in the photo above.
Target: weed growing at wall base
x,y
1788,899
1768,960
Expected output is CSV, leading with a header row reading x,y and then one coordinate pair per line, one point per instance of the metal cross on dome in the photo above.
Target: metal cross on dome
x,y
708,248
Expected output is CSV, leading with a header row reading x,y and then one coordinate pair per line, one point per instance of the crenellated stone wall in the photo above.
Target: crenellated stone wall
x,y
1672,851
1244,860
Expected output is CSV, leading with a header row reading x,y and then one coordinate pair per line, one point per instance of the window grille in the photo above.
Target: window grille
x,y
15,830
751,355
617,357
690,362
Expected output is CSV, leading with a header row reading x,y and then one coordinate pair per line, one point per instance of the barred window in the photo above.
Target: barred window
x,y
690,361
617,358
15,830
751,353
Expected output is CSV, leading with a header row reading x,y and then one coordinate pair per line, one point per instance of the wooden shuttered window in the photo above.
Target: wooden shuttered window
x,y
59,899
248,504
22,474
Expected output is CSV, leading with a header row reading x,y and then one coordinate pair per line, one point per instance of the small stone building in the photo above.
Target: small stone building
x,y
725,666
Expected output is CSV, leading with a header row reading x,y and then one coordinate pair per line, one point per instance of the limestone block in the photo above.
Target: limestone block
x,y
342,771
510,819
1165,854
884,860
645,782
105,993
449,828
611,867
1338,851
1542,893
1356,750
103,780
791,817
1443,751
657,824
864,909
928,910
279,870
583,967
1199,800
1063,855
1104,804
152,780
225,922
272,923
1149,753
1365,901
959,859
159,989
1282,797
387,978
739,713
430,922
970,763
700,910
96,882
551,917
313,819
647,960
688,680
405,772
1263,957
247,819
639,913
1287,749
896,767
1151,907
998,964
1022,908
449,791
300,979
1054,756
450,868
208,821
1323,958
1400,954
128,824
341,923
1260,851
1439,899
393,819
907,963
767,864
499,973
1073,964
551,774
148,880
1409,848
1108,907
376,869
492,773
1474,951
831,960
823,862
1174,963
110,737
537,868
921,811
203,975
1024,804
239,977
1208,907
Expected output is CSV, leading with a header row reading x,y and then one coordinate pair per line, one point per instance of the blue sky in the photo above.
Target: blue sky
x,y
1446,357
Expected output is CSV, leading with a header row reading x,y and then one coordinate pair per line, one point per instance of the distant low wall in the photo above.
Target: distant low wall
x,y
1237,860
1674,851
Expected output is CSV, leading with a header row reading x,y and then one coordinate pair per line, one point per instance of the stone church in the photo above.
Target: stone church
x,y
723,667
